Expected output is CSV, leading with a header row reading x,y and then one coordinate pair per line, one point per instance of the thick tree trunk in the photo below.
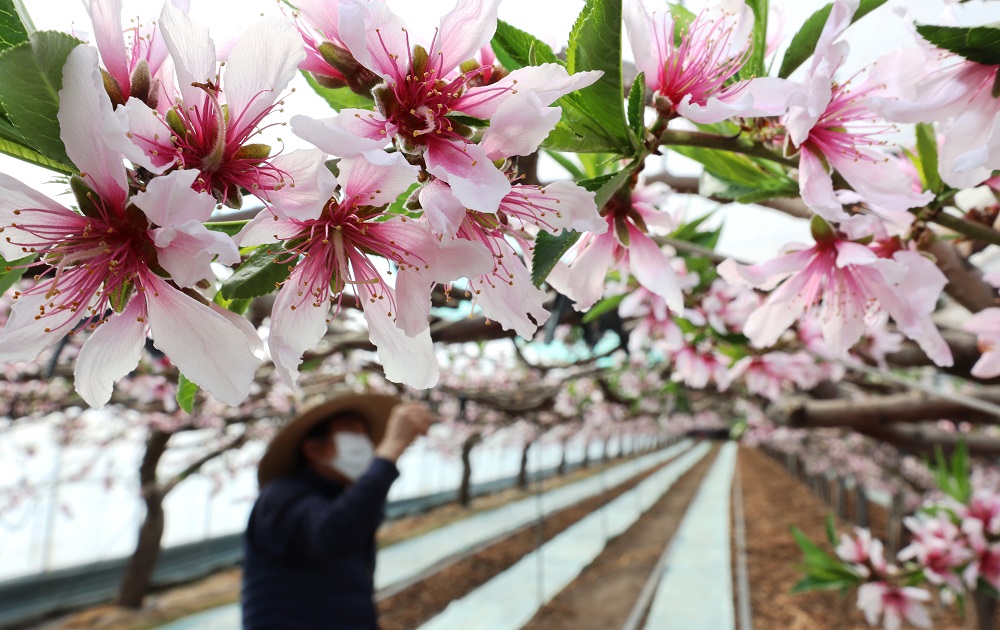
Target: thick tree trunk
x,y
465,487
586,456
522,474
139,570
562,461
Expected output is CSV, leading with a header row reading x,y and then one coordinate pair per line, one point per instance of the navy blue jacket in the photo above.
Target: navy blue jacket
x,y
310,551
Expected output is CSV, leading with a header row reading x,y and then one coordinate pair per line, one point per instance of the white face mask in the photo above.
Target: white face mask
x,y
355,452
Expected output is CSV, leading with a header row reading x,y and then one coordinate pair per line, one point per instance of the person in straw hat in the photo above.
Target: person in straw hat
x,y
309,549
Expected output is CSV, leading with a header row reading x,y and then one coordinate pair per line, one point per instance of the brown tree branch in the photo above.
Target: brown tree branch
x,y
873,413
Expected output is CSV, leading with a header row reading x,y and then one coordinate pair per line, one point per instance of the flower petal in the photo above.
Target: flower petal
x,y
765,275
86,122
367,184
443,211
322,15
651,267
17,197
170,200
259,68
297,325
519,125
464,30
310,187
186,251
473,178
111,352
585,283
192,51
24,337
265,229
816,186
204,346
514,301
106,16
407,360
413,301
375,36
351,132
548,82
149,136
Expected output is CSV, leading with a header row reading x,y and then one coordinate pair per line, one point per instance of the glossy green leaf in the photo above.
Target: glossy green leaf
x,y
754,66
186,392
803,44
12,29
595,43
515,48
739,177
30,80
637,106
26,154
976,43
258,275
339,98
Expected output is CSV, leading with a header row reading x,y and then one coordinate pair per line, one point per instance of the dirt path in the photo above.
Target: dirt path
x,y
415,605
604,594
773,500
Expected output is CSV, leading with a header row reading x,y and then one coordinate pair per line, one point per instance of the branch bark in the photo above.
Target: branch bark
x,y
874,413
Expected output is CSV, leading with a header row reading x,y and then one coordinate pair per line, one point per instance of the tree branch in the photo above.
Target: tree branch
x,y
196,465
872,413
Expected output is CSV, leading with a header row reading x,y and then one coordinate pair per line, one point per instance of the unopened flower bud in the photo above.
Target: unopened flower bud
x,y
113,89
254,152
360,79
142,82
85,197
332,83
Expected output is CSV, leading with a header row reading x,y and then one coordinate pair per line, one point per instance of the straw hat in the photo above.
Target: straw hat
x,y
282,455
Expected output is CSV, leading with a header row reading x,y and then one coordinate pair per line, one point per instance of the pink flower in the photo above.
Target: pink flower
x,y
985,563
893,604
984,506
333,252
134,66
506,293
691,72
834,128
847,284
656,328
925,84
697,366
939,548
864,552
625,242
115,255
425,89
211,127
986,326
768,375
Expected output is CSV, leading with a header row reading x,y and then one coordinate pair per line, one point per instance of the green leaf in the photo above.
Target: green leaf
x,y
186,391
12,30
231,228
928,152
548,250
831,531
9,277
604,306
339,98
516,49
754,66
811,583
804,43
976,43
595,43
683,17
26,154
637,106
739,177
30,80
236,306
258,274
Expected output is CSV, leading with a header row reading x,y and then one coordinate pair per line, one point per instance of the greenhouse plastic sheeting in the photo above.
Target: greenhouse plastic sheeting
x,y
696,588
511,599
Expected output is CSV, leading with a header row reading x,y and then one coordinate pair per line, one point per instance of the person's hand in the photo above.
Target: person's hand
x,y
406,422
